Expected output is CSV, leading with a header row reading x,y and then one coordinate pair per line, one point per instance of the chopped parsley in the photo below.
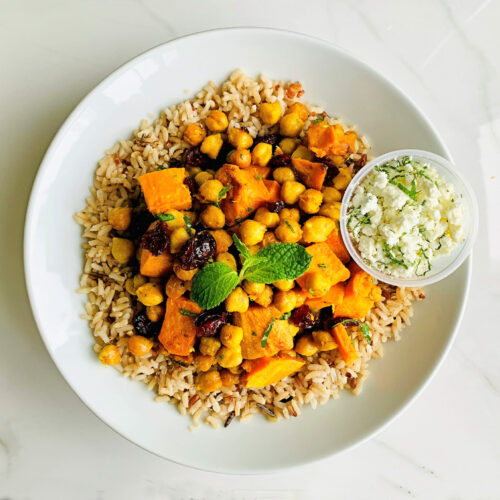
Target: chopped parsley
x,y
224,191
185,312
289,226
165,217
189,226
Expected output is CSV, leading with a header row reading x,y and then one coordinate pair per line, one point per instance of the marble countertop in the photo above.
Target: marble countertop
x,y
444,54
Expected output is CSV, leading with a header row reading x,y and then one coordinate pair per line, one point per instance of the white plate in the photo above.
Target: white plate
x,y
53,258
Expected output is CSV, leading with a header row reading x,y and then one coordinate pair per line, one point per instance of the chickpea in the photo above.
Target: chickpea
x,y
301,296
261,154
120,218
252,232
305,346
222,239
236,370
237,301
283,174
194,134
254,248
178,237
324,340
288,145
317,284
310,201
240,157
303,153
288,231
285,301
216,121
290,214
331,194
204,362
231,336
211,145
202,177
317,229
228,259
150,294
331,210
176,221
300,109
342,179
192,171
122,250
229,357
134,283
213,217
337,160
253,289
270,112
269,219
110,355
209,346
291,125
229,379
284,285
239,138
183,274
139,345
209,381
265,298
155,313
291,191
175,287
269,239
209,190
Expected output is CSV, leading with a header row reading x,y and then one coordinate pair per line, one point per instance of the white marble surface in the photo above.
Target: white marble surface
x,y
444,54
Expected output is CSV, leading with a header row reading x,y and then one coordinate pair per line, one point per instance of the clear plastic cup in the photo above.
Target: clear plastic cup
x,y
443,265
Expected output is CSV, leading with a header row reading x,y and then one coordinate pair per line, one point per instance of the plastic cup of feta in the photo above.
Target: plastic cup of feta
x,y
443,265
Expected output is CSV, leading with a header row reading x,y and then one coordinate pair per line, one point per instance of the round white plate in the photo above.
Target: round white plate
x,y
53,259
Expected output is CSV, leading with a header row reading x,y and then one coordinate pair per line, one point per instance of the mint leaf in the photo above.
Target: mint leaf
x,y
279,261
189,226
212,284
165,217
185,312
365,329
241,247
224,191
265,335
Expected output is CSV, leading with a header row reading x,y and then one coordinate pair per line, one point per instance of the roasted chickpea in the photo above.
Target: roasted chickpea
x,y
239,138
194,134
139,345
155,313
300,109
317,284
237,301
255,248
209,381
342,179
178,237
134,283
285,301
303,153
269,219
291,191
229,379
270,112
216,121
253,289
317,229
192,171
291,125
209,346
301,296
149,294
213,217
229,357
202,177
331,210
288,231
269,239
283,174
288,145
337,160
240,157
284,285
175,287
120,218
183,274
227,258
252,232
231,336
204,362
261,154
324,340
290,214
305,346
211,145
110,355
122,250
222,239
310,201
210,190
265,298
331,194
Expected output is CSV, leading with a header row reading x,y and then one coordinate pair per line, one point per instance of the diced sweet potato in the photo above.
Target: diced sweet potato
x,y
324,139
333,297
254,323
155,266
165,190
312,174
336,243
178,332
324,261
344,344
266,371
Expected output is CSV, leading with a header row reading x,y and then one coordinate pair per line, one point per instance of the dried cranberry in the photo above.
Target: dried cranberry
x,y
362,161
332,171
144,326
141,220
191,184
156,240
195,158
272,139
197,250
280,160
174,162
276,207
303,317
209,323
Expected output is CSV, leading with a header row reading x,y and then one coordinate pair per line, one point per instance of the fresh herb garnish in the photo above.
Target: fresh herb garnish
x,y
224,191
185,312
289,226
365,329
189,226
162,167
320,119
165,217
323,266
258,177
388,253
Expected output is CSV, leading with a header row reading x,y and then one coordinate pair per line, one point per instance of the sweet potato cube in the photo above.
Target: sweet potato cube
x,y
155,266
312,174
333,297
165,190
266,371
324,139
178,332
336,243
346,348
